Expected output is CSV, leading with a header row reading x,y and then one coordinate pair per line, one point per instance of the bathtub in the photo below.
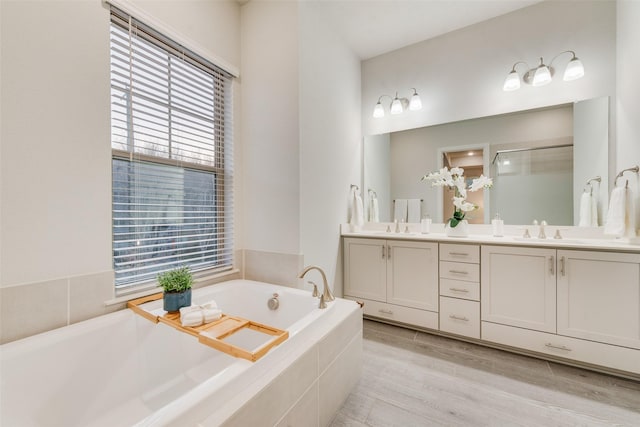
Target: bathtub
x,y
121,369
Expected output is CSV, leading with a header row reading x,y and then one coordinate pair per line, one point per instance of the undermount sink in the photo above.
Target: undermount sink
x,y
549,241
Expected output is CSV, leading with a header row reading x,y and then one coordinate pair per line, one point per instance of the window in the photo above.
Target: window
x,y
172,156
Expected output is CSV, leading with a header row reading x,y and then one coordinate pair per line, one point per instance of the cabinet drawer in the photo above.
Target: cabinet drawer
x,y
611,356
460,317
457,252
396,313
460,289
460,271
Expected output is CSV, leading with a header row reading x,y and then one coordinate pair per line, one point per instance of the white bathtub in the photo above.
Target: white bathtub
x,y
121,369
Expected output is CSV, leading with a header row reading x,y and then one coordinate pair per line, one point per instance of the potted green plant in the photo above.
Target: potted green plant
x,y
176,285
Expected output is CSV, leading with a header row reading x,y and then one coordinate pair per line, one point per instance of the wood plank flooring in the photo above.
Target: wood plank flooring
x,y
412,378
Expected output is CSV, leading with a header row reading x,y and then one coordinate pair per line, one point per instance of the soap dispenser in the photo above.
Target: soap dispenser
x,y
497,225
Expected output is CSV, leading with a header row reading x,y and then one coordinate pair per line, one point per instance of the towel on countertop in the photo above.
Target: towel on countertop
x,y
197,315
413,210
621,218
400,207
357,210
586,213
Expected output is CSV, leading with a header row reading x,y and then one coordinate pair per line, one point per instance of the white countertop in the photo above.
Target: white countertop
x,y
573,237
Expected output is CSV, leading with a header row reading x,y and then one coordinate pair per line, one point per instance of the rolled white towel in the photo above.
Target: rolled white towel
x,y
197,315
585,210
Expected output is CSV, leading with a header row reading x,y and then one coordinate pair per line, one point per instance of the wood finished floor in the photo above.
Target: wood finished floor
x,y
412,378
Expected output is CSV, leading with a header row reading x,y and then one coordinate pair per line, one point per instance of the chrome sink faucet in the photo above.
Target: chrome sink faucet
x,y
326,294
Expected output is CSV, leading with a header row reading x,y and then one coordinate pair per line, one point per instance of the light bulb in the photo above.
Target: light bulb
x,y
512,82
574,70
415,103
396,106
378,111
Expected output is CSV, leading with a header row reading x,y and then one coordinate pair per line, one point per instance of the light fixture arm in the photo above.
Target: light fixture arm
x,y
513,69
566,51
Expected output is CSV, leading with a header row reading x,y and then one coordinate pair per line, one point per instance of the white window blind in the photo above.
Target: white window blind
x,y
172,156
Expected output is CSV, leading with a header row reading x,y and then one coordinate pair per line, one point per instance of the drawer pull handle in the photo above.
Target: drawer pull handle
x,y
386,311
384,254
458,272
559,347
453,316
458,254
562,266
552,263
459,290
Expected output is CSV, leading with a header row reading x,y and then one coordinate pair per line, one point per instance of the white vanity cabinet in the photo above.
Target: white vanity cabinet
x,y
518,287
599,297
397,278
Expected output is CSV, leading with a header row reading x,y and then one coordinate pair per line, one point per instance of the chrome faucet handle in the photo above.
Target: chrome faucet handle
x,y
388,229
557,235
315,292
526,234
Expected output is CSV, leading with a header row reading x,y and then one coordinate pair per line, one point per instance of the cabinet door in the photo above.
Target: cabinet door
x,y
599,296
518,287
365,268
412,274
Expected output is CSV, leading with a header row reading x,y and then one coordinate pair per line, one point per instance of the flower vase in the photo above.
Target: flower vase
x,y
461,230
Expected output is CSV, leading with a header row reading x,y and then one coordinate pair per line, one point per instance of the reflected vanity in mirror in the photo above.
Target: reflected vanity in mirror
x,y
541,161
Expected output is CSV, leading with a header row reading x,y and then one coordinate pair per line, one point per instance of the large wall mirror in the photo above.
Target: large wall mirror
x,y
542,162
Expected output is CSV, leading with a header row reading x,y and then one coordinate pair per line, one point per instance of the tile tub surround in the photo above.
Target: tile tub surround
x,y
209,388
417,379
272,267
34,308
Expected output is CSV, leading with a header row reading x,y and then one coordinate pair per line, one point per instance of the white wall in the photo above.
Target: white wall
x,y
56,170
55,154
330,140
270,126
460,74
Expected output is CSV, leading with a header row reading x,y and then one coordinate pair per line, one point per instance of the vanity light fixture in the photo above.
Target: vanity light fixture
x,y
398,105
542,74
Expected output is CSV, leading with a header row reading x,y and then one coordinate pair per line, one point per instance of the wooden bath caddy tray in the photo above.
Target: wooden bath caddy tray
x,y
213,334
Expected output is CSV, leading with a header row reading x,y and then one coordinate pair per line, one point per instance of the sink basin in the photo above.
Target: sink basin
x,y
549,241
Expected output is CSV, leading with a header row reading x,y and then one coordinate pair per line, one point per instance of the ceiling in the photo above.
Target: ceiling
x,y
374,27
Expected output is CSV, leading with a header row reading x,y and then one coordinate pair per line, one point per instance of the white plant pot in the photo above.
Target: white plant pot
x,y
461,230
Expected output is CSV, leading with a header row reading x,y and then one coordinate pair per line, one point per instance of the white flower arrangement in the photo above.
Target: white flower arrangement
x,y
455,180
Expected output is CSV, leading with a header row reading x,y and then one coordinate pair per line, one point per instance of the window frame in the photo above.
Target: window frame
x,y
222,167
